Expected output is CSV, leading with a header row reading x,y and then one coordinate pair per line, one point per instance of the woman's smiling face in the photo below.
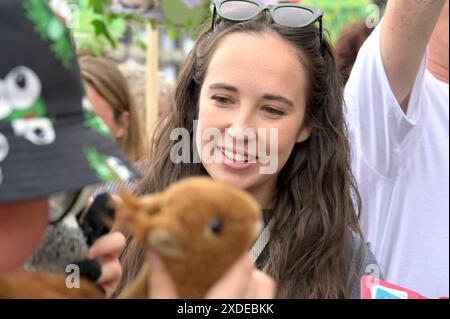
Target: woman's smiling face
x,y
253,82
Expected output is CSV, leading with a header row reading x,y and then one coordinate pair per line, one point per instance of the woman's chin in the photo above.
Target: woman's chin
x,y
239,179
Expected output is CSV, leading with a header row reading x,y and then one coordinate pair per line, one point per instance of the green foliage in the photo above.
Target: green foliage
x,y
339,13
49,28
98,28
178,14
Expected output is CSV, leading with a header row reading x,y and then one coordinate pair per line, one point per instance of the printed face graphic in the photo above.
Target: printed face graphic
x,y
22,106
20,93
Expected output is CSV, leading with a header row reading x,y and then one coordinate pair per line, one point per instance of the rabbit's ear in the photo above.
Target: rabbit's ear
x,y
128,201
151,204
131,204
136,213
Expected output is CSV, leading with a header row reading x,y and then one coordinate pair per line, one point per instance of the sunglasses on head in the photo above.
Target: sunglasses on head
x,y
285,14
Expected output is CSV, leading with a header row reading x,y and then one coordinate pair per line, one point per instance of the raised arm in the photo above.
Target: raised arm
x,y
406,30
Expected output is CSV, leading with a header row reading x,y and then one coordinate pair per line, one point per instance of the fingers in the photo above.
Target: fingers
x,y
107,250
243,281
111,271
235,283
108,246
161,286
261,286
110,277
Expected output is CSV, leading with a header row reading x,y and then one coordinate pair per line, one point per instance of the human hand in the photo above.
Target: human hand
x,y
107,250
242,281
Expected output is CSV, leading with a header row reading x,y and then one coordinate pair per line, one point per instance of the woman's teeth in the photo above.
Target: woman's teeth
x,y
236,157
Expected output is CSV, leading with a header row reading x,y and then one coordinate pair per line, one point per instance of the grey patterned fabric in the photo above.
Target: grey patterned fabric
x,y
64,243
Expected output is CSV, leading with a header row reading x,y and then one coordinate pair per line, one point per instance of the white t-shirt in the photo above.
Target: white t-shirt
x,y
401,164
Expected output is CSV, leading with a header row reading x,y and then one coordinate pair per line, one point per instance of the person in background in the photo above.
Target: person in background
x,y
398,113
107,90
135,75
165,100
348,44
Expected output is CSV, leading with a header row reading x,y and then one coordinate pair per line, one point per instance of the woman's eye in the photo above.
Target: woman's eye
x,y
273,112
222,100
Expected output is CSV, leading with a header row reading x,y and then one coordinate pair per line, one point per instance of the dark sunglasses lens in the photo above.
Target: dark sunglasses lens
x,y
238,10
295,17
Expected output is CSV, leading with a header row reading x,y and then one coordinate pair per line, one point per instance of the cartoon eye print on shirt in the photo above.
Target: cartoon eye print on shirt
x,y
4,150
21,104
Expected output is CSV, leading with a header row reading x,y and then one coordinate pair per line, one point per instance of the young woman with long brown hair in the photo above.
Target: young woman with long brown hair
x,y
271,69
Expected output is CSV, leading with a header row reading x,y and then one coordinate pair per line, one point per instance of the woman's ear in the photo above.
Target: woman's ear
x,y
122,124
304,133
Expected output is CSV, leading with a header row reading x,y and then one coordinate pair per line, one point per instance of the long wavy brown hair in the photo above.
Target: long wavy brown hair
x,y
316,204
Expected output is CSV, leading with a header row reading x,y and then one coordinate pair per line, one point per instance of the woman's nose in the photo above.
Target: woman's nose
x,y
242,126
243,118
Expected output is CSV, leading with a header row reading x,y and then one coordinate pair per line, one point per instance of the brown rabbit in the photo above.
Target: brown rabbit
x,y
198,227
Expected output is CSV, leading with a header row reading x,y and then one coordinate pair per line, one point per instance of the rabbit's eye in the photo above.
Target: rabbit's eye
x,y
215,226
